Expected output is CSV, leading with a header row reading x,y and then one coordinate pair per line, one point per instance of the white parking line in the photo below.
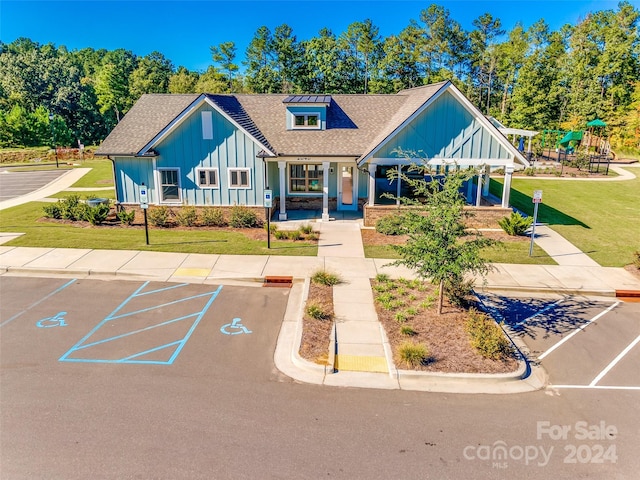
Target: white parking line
x,y
581,327
614,361
548,307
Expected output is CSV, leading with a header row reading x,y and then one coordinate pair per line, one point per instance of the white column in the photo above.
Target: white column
x,y
479,191
282,172
325,191
372,184
485,185
529,145
506,188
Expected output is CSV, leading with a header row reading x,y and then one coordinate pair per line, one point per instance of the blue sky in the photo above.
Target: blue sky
x,y
184,30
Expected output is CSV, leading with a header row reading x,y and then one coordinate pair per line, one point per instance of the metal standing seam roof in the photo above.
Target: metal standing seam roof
x,y
307,99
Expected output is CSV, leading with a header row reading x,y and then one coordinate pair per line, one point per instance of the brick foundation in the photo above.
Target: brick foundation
x,y
139,219
483,217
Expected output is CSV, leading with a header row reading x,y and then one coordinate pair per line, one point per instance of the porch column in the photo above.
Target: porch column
x,y
529,146
372,184
325,191
506,189
282,179
479,191
485,185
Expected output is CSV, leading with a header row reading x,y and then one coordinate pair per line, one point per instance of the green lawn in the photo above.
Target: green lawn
x,y
507,252
600,218
101,174
26,218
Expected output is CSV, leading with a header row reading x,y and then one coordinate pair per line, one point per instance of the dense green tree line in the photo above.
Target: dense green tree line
x,y
527,77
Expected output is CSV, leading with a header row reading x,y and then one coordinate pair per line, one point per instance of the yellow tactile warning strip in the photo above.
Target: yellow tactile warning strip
x,y
357,363
192,272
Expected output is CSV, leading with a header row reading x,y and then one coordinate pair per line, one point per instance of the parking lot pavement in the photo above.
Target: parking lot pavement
x,y
14,184
583,343
46,322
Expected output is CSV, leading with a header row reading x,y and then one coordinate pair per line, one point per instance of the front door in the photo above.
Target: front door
x,y
347,187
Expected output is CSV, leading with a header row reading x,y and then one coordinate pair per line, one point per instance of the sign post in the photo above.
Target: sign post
x,y
144,205
537,199
268,203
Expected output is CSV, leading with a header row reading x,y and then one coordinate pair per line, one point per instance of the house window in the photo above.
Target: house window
x,y
239,178
207,177
170,185
306,120
305,178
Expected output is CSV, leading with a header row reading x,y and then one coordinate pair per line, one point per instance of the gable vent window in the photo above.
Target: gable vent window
x,y
306,121
207,125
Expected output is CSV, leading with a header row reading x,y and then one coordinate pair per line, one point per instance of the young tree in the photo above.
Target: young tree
x,y
439,247
225,55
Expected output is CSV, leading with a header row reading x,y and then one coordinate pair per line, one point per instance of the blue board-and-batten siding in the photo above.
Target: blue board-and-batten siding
x,y
185,148
445,129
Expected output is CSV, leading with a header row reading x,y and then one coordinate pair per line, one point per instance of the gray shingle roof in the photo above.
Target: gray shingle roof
x,y
356,124
147,118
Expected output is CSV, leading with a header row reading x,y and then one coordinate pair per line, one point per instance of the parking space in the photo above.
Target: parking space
x,y
582,343
49,322
14,184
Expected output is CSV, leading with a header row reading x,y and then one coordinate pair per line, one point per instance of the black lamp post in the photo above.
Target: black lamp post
x,y
263,155
53,137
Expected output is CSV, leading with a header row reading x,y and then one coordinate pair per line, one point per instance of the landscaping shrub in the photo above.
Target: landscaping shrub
x,y
126,217
159,216
281,234
213,217
515,224
391,225
636,259
187,216
98,214
413,354
458,291
306,229
71,208
295,235
312,236
53,210
243,217
407,330
316,312
323,277
487,337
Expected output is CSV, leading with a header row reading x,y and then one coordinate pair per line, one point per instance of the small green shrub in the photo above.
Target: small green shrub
x,y
323,277
458,291
515,224
281,234
382,277
529,171
312,236
486,336
187,216
243,217
407,330
159,216
316,312
53,210
391,225
126,217
98,214
401,317
213,217
273,228
71,208
306,229
413,354
636,259
294,235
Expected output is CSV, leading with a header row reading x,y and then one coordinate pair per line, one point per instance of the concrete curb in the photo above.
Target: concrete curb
x,y
563,291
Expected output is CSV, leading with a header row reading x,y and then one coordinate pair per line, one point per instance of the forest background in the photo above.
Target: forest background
x,y
533,78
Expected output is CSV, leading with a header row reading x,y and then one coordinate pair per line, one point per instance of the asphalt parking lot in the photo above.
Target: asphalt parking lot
x,y
14,184
583,343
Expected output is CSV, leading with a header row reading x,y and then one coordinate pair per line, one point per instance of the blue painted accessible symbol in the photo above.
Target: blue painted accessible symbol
x,y
56,321
234,328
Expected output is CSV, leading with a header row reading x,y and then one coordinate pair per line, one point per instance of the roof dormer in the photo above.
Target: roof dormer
x,y
307,112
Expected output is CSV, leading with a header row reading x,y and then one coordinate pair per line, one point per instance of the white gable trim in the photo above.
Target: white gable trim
x,y
493,131
186,114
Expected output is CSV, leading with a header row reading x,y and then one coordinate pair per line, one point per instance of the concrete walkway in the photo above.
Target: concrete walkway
x,y
561,250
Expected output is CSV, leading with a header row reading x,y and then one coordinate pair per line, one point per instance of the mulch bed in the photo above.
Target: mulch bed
x,y
316,333
444,335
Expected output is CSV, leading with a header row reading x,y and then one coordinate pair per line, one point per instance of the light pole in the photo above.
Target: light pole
x,y
267,201
53,137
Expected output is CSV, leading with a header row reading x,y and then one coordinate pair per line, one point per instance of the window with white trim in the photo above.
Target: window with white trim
x,y
207,177
169,185
304,178
306,120
239,178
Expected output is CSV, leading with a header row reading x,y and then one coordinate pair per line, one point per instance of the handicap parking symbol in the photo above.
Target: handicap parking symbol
x,y
234,328
56,321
